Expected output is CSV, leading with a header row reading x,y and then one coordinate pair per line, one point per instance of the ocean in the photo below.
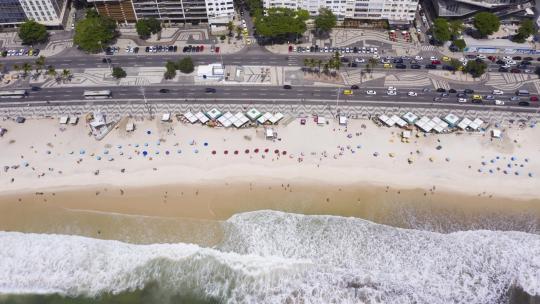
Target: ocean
x,y
275,257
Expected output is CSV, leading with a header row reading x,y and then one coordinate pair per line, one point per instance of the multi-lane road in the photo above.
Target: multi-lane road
x,y
258,94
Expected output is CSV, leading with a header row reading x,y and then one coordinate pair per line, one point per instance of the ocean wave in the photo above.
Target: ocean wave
x,y
276,257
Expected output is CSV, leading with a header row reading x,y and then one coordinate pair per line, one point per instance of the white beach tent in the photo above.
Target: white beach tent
x,y
253,114
241,119
130,127
201,117
64,120
496,133
264,118
342,120
464,123
191,117
398,121
439,125
73,120
386,120
321,121
451,119
476,124
166,117
213,114
424,124
276,117
410,118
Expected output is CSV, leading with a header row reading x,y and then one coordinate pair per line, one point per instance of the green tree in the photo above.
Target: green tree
x,y
118,73
441,30
94,32
147,27
230,27
238,32
40,63
170,72
475,68
460,44
456,64
26,67
66,74
186,65
281,23
32,32
486,23
456,27
51,71
325,21
526,29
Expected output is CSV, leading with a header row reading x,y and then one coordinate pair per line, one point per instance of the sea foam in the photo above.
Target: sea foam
x,y
276,257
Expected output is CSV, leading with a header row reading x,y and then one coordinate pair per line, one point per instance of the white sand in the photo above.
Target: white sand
x,y
30,142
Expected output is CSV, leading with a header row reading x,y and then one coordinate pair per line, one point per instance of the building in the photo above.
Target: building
x,y
467,8
396,12
11,13
217,12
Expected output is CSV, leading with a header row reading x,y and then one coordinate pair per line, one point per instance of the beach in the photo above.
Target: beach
x,y
316,213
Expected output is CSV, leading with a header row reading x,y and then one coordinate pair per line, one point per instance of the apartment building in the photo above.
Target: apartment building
x,y
51,13
465,8
398,12
168,11
11,13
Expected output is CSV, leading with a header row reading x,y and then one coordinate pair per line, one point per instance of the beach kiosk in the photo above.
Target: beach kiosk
x,y
270,134
253,114
451,119
166,117
190,117
496,133
64,120
240,120
202,118
73,120
213,114
464,123
321,121
410,118
275,118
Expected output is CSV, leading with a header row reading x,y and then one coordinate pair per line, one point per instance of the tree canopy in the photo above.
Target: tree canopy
x,y
526,29
456,27
475,68
170,72
441,30
147,27
460,44
486,23
326,20
93,31
118,73
281,22
185,65
32,32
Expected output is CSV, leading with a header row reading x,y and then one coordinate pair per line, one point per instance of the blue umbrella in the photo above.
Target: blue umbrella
x,y
167,152
82,151
512,158
206,144
105,151
136,145
98,157
144,153
146,144
148,132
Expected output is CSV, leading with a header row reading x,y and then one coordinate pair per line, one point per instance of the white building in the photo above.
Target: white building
x,y
47,12
395,11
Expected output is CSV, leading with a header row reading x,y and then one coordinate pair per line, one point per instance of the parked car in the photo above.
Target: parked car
x,y
164,90
287,87
371,92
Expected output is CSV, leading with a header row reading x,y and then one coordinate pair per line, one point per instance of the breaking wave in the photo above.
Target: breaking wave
x,y
276,257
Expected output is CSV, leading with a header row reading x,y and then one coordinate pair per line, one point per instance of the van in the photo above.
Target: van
x,y
522,92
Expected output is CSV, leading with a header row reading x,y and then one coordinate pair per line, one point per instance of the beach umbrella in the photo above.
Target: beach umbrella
x,y
196,151
479,170
98,157
526,160
148,132
483,163
247,151
144,153
111,158
146,144
256,150
225,152
157,152
276,151
358,146
136,145
490,171
158,143
71,152
119,146
505,172
492,161
167,152
25,164
105,151
376,154
82,151
178,151
512,158
530,174
121,153
214,152
48,152
205,144
266,150
284,152
516,173
235,152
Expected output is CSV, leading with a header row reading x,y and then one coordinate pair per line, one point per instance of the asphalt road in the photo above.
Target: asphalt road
x,y
258,94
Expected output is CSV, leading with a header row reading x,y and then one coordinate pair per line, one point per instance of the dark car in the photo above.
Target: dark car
x,y
343,59
36,52
401,66
175,48
453,91
398,60
209,90
136,50
441,90
476,100
287,87
35,89
147,49
525,62
434,62
170,48
533,98
164,91
353,65
500,62
354,87
184,49
217,49
444,94
415,66
503,70
524,103
448,68
461,95
528,58
106,60
437,99
468,91
515,70
516,58
431,66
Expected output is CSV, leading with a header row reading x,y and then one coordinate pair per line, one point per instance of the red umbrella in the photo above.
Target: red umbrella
x,y
214,152
247,151
225,152
266,150
284,152
276,151
235,152
256,150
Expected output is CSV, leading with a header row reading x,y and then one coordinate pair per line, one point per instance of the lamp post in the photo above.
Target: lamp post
x,y
106,58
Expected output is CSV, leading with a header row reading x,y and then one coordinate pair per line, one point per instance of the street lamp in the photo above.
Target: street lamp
x,y
106,58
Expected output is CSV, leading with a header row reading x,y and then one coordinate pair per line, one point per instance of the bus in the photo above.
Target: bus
x,y
13,94
97,94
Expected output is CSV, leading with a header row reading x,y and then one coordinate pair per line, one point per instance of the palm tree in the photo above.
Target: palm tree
x,y
40,63
319,63
238,32
230,27
66,74
26,68
51,71
16,68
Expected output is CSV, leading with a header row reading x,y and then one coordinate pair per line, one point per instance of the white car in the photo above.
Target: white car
x,y
497,92
376,56
359,60
499,102
433,58
371,92
510,62
480,56
418,58
506,58
462,100
412,94
391,93
392,89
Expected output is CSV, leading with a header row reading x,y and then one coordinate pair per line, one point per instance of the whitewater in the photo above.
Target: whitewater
x,y
277,257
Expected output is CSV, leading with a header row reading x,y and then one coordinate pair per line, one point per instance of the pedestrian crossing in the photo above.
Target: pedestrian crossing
x,y
440,84
292,61
428,48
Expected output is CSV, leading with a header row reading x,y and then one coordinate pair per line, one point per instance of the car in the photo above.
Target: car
x,y
431,66
343,59
533,98
347,92
287,87
468,91
401,66
448,68
510,62
354,87
391,93
353,65
514,98
525,62
441,90
35,89
445,58
503,70
359,60
36,52
516,71
497,92
453,91
492,58
462,100
387,65
217,49
397,60
432,58
371,92
412,94
426,90
415,66
489,97
106,60
437,99
435,62
499,102
136,50
475,100
392,88
516,58
528,58
164,90
444,95
209,90
418,58
476,96
524,103
175,49
461,95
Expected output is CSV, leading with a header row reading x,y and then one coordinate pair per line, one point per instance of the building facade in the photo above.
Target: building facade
x,y
47,12
168,11
465,8
399,12
11,13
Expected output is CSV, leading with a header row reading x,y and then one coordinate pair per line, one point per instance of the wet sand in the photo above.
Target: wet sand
x,y
194,214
